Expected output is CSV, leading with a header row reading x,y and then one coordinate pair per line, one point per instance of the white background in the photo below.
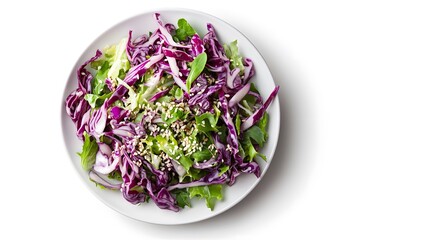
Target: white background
x,y
352,160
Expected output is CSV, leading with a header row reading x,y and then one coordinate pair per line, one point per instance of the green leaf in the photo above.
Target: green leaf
x,y
99,82
135,99
175,114
99,185
223,169
153,145
256,134
197,67
232,53
105,139
247,110
263,124
171,148
207,122
164,99
139,117
262,156
184,30
200,156
178,94
238,123
249,150
138,188
166,147
196,174
109,52
91,99
211,193
115,175
119,61
222,133
89,151
186,162
114,64
95,101
241,150
182,198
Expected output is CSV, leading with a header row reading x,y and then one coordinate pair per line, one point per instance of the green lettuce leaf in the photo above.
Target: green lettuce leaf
x,y
255,133
89,151
263,124
171,148
184,30
178,93
175,114
223,169
197,67
211,193
249,150
95,101
238,123
98,83
119,60
116,175
182,198
207,122
195,174
232,53
114,64
202,155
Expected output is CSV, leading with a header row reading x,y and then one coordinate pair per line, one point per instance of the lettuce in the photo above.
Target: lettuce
x,y
256,134
207,122
249,150
119,60
113,65
182,198
263,124
95,101
202,155
210,193
232,53
89,151
197,67
171,148
184,30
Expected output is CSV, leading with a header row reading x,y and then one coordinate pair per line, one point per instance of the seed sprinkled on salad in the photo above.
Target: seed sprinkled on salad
x,y
169,116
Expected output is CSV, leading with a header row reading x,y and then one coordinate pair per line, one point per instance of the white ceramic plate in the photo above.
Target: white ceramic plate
x,y
264,81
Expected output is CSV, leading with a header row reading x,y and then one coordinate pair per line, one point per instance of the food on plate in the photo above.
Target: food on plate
x,y
169,116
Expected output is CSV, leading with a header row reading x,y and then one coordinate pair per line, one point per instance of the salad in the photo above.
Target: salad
x,y
169,116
